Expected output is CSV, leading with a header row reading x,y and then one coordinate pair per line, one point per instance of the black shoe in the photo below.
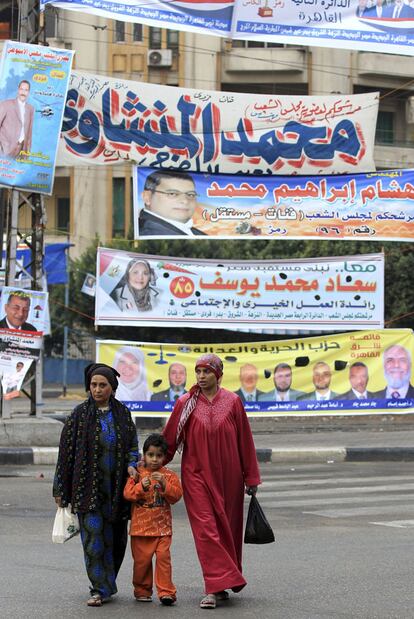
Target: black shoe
x,y
167,600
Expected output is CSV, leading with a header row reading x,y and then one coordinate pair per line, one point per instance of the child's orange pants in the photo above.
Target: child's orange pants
x,y
143,549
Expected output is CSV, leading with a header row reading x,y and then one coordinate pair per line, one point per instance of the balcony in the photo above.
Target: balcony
x,y
384,65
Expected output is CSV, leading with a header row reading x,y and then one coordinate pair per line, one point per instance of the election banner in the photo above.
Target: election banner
x,y
344,24
33,86
13,371
212,17
347,24
372,207
24,320
316,294
109,121
347,373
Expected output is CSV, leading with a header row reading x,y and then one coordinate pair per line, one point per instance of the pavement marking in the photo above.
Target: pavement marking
x,y
338,501
347,490
334,481
362,511
399,524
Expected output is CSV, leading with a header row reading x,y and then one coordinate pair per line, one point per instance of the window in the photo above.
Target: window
x,y
248,44
119,34
137,32
118,207
172,39
155,38
63,214
385,128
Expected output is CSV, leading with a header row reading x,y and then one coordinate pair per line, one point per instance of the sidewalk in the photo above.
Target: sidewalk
x,y
291,439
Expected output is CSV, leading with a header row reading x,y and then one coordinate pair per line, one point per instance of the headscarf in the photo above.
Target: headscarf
x,y
213,363
138,388
142,297
103,370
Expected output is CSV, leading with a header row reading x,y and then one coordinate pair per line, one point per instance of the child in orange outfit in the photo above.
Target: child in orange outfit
x,y
151,524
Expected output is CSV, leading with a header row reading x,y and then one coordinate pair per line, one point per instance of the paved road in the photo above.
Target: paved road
x,y
343,550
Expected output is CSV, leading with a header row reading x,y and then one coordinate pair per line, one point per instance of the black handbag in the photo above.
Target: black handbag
x,y
258,530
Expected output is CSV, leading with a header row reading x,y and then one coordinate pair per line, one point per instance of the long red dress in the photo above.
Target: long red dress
x,y
218,459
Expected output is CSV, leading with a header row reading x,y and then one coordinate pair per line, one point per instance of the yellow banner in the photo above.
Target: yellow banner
x,y
363,371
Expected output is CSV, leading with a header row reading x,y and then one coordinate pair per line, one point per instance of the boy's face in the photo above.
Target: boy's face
x,y
153,458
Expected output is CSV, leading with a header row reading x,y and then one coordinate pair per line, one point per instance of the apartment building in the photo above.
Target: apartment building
x,y
97,200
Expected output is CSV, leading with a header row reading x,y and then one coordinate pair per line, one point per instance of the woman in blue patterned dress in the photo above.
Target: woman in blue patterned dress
x,y
98,450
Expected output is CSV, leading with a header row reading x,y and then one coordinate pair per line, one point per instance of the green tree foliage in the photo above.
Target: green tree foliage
x,y
399,284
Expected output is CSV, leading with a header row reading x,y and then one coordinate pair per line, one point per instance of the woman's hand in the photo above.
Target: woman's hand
x,y
251,490
132,472
58,501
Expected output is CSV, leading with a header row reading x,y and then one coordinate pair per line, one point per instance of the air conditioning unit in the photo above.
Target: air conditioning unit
x,y
159,57
409,110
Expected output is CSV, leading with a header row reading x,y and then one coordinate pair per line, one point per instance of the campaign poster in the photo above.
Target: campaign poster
x,y
371,207
33,87
108,121
342,373
13,372
316,294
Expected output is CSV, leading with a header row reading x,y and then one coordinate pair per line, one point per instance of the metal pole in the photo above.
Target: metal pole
x,y
65,345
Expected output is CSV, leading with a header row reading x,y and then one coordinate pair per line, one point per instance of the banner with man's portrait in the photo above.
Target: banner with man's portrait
x,y
13,371
317,293
24,318
33,85
370,207
358,372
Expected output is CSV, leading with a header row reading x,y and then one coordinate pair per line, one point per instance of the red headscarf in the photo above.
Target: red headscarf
x,y
213,363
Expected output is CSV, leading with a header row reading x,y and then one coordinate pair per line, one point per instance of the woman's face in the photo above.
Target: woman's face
x,y
100,389
128,367
206,379
139,276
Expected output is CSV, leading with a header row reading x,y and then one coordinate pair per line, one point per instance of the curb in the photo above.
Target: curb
x,y
48,455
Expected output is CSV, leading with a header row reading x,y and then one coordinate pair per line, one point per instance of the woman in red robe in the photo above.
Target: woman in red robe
x,y
218,464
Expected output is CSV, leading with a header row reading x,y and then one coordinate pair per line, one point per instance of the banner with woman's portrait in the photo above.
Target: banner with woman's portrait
x,y
359,372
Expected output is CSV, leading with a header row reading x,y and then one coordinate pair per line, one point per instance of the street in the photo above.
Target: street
x,y
343,550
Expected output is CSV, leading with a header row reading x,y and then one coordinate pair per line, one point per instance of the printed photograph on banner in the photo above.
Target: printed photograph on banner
x,y
376,26
89,285
23,310
357,371
33,86
317,294
109,120
373,207
14,371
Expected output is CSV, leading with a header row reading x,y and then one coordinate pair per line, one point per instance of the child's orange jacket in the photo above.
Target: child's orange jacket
x,y
151,511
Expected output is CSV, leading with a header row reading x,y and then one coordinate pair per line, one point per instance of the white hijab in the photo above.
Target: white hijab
x,y
138,389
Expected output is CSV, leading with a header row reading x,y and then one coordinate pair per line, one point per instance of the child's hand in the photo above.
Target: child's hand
x,y
146,482
160,478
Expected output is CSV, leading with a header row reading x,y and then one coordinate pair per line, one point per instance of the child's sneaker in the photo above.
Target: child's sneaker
x,y
167,600
143,598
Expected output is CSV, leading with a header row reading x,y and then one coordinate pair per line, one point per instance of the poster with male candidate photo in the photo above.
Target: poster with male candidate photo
x,y
13,372
317,293
359,372
33,87
24,318
370,207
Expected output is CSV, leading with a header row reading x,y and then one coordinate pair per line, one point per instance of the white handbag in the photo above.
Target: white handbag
x,y
65,526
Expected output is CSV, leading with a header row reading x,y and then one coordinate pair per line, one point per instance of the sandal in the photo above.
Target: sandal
x,y
209,601
95,600
222,595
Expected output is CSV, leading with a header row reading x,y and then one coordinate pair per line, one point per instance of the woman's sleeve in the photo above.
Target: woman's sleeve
x,y
62,481
133,455
170,431
246,446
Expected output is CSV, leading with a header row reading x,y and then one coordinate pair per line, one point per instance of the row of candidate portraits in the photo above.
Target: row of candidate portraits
x,y
133,386
394,9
